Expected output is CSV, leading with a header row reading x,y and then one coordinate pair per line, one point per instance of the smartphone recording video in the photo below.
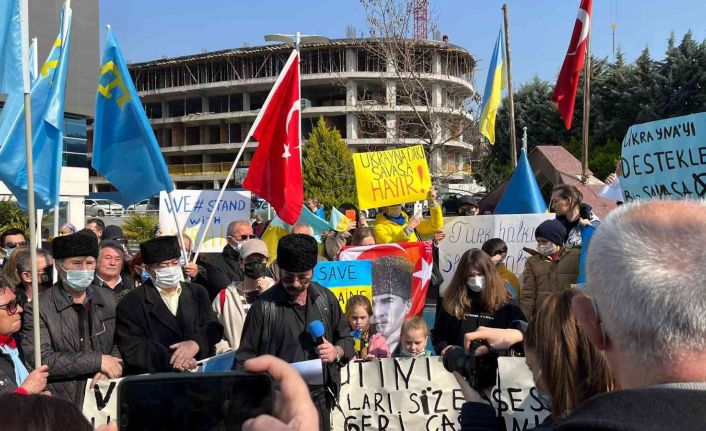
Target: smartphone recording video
x,y
196,402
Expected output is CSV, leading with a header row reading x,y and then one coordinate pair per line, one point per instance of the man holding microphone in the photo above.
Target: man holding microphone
x,y
287,321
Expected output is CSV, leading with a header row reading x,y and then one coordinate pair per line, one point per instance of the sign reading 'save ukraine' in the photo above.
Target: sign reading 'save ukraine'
x,y
665,158
345,279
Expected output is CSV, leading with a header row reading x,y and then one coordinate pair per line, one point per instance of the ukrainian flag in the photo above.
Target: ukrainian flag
x,y
492,96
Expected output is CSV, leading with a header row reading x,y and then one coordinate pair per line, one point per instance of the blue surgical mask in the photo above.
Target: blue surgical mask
x,y
8,251
78,279
145,275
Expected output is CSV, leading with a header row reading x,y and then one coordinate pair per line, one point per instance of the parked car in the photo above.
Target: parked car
x,y
103,207
139,207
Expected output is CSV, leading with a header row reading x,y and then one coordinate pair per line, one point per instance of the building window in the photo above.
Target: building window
x,y
75,143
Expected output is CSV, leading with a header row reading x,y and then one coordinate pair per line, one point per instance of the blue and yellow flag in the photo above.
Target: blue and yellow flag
x,y
47,103
492,96
125,150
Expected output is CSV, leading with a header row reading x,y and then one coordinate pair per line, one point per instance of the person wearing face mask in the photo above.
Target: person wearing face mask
x,y
10,239
224,269
475,297
23,291
467,206
232,303
553,269
497,250
166,324
393,225
77,321
277,322
561,385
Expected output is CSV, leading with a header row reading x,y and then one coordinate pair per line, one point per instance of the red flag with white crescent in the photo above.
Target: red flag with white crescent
x,y
419,254
276,171
568,81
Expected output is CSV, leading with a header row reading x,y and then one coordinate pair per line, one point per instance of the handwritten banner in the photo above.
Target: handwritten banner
x,y
391,177
100,403
464,233
419,394
193,208
665,158
346,279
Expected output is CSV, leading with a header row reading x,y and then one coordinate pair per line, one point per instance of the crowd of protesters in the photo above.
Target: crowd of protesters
x,y
593,354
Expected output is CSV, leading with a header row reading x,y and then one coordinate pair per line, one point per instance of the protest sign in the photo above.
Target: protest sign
x,y
391,177
665,158
193,208
346,279
400,279
100,403
419,394
464,233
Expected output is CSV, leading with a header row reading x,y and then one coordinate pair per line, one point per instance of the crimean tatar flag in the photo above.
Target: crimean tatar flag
x,y
492,95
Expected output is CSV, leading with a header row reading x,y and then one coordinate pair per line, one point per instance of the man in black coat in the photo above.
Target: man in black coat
x,y
276,324
224,269
166,324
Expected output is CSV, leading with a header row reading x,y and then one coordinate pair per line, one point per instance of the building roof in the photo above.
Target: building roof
x,y
554,164
283,48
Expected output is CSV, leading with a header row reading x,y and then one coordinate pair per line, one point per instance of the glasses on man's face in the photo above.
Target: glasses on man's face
x,y
11,307
243,237
291,278
15,244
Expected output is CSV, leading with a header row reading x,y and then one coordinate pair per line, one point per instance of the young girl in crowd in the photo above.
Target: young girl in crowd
x,y
497,250
413,339
369,344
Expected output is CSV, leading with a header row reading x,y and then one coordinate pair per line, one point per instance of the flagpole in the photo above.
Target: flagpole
x,y
180,234
31,208
242,148
511,100
586,109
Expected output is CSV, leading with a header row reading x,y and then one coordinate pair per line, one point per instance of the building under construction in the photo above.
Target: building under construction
x,y
202,106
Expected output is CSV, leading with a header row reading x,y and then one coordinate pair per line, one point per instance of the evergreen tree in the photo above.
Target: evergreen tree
x,y
328,167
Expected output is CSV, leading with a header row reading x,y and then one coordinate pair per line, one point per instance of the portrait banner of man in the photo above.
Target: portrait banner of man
x,y
401,274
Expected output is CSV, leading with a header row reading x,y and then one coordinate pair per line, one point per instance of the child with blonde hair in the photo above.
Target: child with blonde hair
x,y
413,339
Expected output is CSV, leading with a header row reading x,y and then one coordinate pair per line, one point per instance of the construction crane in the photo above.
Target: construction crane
x,y
420,9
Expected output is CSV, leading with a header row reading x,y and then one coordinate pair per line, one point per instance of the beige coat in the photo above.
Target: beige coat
x,y
543,276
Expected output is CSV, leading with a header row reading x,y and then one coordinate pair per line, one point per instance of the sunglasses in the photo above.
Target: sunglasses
x,y
15,244
243,237
11,307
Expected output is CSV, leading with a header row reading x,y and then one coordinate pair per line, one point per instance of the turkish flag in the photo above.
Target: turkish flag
x,y
568,81
276,169
419,254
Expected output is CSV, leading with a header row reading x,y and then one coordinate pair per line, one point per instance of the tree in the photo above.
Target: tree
x,y
328,167
12,216
140,227
404,107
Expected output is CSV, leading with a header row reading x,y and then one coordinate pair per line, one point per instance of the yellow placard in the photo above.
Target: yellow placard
x,y
343,293
391,177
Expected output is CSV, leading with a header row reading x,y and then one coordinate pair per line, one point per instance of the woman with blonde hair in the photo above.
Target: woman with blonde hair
x,y
475,297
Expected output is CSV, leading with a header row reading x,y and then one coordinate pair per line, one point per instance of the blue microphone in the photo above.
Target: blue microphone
x,y
316,330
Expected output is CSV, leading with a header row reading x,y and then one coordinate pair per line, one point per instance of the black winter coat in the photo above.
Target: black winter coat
x,y
222,270
146,328
63,349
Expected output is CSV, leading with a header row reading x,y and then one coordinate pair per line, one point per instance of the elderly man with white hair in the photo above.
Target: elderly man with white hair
x,y
646,276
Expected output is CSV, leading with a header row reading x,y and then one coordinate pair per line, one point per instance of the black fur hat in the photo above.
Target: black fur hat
x,y
297,252
77,244
160,249
392,275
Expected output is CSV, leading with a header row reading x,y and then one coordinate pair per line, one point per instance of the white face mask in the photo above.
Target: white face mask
x,y
78,279
546,250
167,278
476,283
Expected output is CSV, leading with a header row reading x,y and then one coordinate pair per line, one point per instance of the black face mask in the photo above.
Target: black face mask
x,y
45,280
255,270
